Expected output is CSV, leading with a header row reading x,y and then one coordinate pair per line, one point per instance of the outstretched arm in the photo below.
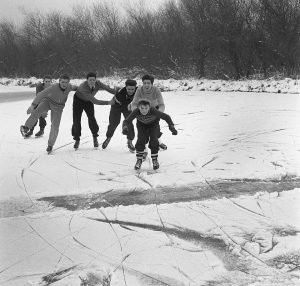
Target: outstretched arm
x,y
168,119
46,92
91,98
137,96
106,87
128,120
160,100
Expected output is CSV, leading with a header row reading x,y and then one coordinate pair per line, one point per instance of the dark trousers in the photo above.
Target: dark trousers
x,y
78,107
147,133
42,123
114,121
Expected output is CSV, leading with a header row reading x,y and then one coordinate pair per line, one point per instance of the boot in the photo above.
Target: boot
x,y
106,142
155,163
145,155
96,143
76,144
138,164
24,130
29,133
49,149
130,146
40,133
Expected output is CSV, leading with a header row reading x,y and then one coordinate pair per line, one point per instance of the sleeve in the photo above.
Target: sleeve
x,y
103,86
130,117
97,101
120,95
136,99
45,93
160,100
74,87
166,117
38,88
91,98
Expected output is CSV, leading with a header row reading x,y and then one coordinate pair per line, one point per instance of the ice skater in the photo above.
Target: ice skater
x,y
42,120
122,99
147,130
52,98
84,100
152,94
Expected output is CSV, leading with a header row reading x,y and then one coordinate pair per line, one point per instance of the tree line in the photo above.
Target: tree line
x,y
202,38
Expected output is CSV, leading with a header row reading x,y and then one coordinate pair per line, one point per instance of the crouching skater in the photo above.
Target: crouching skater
x,y
148,129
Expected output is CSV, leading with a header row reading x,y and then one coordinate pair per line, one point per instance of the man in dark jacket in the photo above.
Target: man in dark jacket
x,y
123,98
42,121
84,100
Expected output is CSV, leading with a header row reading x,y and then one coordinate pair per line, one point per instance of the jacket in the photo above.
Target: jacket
x,y
123,98
150,118
85,93
55,95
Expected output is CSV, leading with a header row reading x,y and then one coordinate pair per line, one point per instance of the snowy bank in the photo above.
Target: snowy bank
x,y
286,85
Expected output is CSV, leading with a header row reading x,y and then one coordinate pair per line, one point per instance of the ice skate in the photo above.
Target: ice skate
x,y
24,130
130,146
155,163
39,133
49,149
138,164
76,144
105,143
95,141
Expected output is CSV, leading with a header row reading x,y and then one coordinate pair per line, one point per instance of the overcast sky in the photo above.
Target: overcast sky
x,y
11,9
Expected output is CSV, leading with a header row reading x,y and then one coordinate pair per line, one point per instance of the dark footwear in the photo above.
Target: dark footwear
x,y
96,143
163,146
130,146
145,155
24,130
138,164
49,149
76,144
29,133
155,164
40,133
106,142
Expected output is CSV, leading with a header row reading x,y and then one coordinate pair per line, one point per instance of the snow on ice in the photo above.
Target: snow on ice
x,y
223,209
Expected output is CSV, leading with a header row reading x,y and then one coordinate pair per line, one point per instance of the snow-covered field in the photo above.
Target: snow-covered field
x,y
223,209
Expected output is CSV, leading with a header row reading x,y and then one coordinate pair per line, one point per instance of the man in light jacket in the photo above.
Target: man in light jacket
x,y
52,98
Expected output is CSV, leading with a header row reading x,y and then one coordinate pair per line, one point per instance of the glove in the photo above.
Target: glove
x,y
125,130
173,130
30,109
